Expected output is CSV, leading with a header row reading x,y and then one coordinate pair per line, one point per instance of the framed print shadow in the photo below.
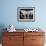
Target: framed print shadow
x,y
26,14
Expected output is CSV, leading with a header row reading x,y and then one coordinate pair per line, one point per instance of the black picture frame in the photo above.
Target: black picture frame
x,y
26,14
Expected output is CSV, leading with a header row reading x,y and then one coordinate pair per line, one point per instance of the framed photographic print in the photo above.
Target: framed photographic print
x,y
26,14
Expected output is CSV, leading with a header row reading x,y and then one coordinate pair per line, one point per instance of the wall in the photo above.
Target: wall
x,y
9,13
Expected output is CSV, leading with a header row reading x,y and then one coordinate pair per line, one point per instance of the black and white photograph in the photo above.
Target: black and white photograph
x,y
26,14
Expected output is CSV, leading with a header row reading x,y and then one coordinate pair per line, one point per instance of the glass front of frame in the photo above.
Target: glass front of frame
x,y
26,14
